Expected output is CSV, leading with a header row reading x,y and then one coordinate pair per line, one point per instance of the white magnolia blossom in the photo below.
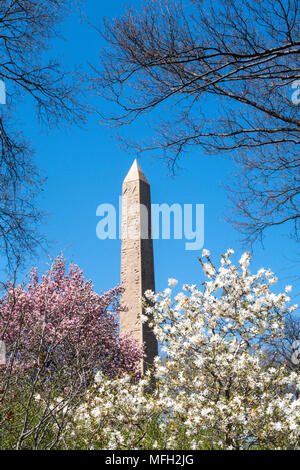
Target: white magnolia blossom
x,y
205,253
172,282
212,385
245,260
208,269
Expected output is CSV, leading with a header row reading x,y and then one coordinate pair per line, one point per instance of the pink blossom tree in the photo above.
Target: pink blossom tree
x,y
58,333
60,321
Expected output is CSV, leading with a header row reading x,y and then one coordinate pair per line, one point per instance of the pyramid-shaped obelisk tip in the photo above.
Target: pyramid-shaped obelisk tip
x,y
135,173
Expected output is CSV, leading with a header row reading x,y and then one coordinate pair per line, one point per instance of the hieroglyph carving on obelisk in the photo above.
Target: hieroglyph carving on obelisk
x,y
137,265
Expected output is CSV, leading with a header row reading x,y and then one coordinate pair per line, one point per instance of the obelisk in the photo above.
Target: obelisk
x,y
137,265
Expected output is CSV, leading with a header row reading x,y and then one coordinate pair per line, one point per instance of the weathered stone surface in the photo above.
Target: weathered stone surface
x,y
137,266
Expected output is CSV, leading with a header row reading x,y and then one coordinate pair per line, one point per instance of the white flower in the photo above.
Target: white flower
x,y
96,412
149,294
205,253
245,260
288,288
277,426
98,378
208,269
229,252
172,282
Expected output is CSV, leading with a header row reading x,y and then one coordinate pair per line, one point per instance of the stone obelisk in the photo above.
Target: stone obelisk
x,y
137,265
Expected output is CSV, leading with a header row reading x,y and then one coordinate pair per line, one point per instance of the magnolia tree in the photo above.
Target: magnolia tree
x,y
58,333
213,388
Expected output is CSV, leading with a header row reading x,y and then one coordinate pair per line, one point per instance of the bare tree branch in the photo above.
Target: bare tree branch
x,y
237,58
26,26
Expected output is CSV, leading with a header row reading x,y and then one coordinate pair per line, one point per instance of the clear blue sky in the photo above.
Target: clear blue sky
x,y
85,167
